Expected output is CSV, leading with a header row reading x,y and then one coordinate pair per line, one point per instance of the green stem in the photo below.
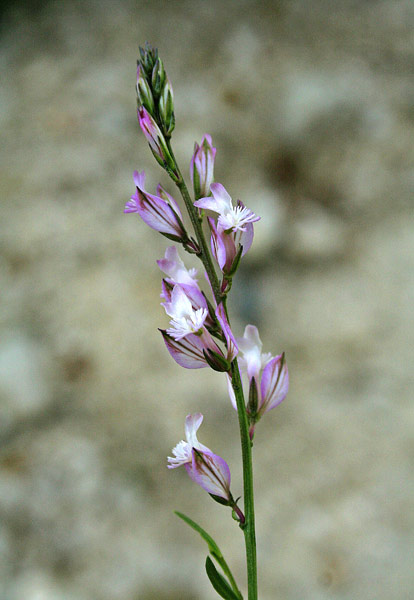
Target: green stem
x,y
246,446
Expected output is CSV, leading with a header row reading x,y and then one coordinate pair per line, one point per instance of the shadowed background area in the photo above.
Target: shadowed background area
x,y
311,107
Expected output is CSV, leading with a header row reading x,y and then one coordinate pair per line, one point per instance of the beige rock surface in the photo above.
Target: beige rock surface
x,y
311,107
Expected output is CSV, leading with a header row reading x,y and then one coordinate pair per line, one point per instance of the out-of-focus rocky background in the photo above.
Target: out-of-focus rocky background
x,y
311,106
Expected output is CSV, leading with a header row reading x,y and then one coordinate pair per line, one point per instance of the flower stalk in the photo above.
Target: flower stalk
x,y
198,326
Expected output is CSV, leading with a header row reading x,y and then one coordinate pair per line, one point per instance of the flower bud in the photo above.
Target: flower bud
x,y
144,94
156,140
158,78
149,56
166,108
202,167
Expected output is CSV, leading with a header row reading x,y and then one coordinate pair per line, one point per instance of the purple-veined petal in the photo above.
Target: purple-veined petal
x,y
211,472
274,383
162,193
156,213
187,352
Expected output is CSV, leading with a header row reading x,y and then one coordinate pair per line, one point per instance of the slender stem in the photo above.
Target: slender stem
x,y
249,525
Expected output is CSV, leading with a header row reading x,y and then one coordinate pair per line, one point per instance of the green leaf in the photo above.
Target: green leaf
x,y
218,582
212,546
216,553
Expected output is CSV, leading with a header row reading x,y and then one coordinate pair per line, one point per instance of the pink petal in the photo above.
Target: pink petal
x,y
186,351
274,383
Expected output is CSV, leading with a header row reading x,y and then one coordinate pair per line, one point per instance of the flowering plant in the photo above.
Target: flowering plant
x,y
200,334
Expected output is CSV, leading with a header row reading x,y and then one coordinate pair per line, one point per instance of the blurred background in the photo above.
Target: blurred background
x,y
311,107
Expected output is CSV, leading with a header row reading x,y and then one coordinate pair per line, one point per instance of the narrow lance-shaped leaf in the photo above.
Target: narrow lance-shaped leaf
x,y
218,582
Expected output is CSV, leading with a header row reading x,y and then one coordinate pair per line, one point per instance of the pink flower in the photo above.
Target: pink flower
x,y
202,166
189,340
158,212
268,375
174,267
230,218
210,471
185,319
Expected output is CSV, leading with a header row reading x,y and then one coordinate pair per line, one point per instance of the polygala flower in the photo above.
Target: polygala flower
x,y
210,471
189,340
159,212
268,376
185,319
230,218
202,166
174,267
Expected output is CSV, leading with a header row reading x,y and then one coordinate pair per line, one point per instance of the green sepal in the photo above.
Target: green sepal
x,y
166,108
172,237
236,262
196,179
144,95
253,398
157,78
218,582
149,56
216,361
220,500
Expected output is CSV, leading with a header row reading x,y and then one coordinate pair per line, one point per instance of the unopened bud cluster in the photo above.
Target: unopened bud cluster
x,y
155,105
